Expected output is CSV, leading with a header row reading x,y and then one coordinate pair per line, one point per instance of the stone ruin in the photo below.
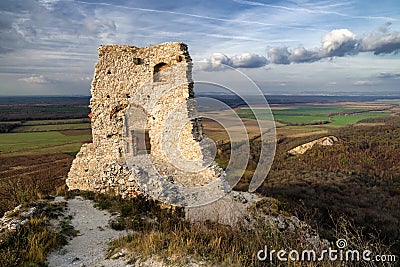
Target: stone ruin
x,y
142,116
146,136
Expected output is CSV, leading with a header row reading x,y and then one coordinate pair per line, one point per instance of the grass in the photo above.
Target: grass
x,y
179,242
25,179
12,144
164,232
35,137
50,127
298,131
30,244
217,132
67,148
53,122
346,120
312,115
322,110
248,113
302,119
9,122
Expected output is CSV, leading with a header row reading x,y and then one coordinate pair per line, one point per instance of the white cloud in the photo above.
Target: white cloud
x,y
218,60
248,60
335,43
301,55
381,41
339,43
278,55
35,80
365,82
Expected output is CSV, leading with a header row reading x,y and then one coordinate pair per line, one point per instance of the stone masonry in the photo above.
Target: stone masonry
x,y
141,97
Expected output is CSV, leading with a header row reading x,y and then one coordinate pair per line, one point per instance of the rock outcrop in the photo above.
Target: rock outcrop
x,y
324,141
16,218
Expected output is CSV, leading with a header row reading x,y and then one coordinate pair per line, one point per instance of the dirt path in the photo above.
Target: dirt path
x,y
89,247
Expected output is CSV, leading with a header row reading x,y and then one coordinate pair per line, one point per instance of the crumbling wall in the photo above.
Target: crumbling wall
x,y
157,81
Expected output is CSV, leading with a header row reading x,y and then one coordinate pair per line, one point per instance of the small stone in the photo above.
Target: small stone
x,y
119,254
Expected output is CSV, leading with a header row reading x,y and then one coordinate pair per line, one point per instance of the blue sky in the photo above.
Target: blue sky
x,y
286,47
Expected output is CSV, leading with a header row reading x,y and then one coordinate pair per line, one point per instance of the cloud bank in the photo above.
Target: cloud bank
x,y
35,79
381,41
337,43
386,75
246,60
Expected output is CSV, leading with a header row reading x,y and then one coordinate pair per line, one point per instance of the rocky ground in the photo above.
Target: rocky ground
x,y
88,248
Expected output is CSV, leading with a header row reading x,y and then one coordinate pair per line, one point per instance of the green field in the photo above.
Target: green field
x,y
50,127
44,136
345,120
318,110
292,119
340,115
56,122
13,144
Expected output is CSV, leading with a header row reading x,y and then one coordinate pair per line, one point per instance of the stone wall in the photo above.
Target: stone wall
x,y
141,94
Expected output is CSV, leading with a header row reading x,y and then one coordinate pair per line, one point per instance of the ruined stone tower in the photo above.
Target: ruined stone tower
x,y
141,115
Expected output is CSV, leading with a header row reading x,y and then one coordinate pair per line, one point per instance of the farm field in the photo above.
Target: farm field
x,y
39,138
65,135
13,144
25,178
332,115
50,127
55,122
216,131
43,125
304,120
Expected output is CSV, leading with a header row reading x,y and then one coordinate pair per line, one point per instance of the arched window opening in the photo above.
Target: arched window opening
x,y
159,72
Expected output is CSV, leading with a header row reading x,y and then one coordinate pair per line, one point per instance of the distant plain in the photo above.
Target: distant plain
x,y
358,177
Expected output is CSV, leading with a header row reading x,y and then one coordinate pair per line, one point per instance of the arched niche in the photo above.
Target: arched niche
x,y
159,74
